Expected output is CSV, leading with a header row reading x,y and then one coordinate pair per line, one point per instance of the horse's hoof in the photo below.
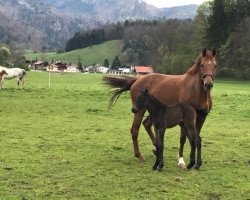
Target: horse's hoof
x,y
190,166
182,166
141,159
158,169
197,167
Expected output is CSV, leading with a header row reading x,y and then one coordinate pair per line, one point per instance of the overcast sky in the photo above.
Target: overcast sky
x,y
171,3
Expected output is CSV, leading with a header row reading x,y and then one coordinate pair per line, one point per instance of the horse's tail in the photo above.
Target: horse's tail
x,y
120,84
24,72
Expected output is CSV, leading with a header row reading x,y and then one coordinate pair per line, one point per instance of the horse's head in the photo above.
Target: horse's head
x,y
140,101
3,72
208,68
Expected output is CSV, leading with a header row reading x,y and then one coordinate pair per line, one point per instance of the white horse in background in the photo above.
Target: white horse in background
x,y
17,73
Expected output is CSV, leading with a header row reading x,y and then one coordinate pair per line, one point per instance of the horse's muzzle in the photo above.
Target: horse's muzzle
x,y
208,86
134,110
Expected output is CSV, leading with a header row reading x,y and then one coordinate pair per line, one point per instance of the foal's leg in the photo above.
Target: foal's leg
x,y
198,146
157,150
160,148
193,147
148,126
183,137
135,132
200,119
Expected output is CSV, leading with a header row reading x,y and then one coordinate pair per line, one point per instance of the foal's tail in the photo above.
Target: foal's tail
x,y
120,84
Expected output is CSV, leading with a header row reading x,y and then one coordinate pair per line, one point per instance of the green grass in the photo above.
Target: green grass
x,y
63,143
95,54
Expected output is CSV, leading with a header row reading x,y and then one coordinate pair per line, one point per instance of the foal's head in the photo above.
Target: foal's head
x,y
146,100
208,68
140,101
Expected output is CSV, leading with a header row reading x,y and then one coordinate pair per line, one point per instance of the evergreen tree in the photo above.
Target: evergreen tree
x,y
106,63
116,63
218,30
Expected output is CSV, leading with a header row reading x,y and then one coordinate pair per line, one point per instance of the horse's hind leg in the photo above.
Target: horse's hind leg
x,y
17,82
183,137
148,126
22,81
135,132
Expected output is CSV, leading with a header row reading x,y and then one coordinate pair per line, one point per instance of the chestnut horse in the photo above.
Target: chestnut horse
x,y
192,88
165,116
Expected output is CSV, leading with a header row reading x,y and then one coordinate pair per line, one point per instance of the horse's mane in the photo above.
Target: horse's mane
x,y
195,68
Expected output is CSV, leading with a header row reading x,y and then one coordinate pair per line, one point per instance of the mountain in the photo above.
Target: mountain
x,y
31,24
48,24
120,10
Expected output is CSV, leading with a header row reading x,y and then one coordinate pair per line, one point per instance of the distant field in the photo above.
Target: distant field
x,y
63,143
95,54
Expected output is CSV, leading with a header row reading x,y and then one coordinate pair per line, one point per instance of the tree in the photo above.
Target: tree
x,y
116,63
4,55
106,63
79,65
218,29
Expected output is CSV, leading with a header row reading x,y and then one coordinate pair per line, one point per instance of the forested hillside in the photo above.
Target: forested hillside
x,y
171,46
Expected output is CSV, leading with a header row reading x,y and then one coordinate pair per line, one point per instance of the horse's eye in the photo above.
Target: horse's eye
x,y
202,65
215,65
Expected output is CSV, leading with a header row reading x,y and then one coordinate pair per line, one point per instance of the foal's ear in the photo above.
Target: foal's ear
x,y
214,52
204,52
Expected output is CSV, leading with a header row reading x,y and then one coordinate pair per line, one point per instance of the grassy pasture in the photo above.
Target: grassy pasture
x,y
63,143
87,56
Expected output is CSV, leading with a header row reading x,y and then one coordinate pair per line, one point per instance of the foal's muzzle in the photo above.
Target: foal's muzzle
x,y
134,110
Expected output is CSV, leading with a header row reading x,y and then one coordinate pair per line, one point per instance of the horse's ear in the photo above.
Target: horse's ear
x,y
204,52
214,52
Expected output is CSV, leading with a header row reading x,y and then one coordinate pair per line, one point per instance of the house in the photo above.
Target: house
x,y
142,70
72,68
102,69
39,65
61,66
52,68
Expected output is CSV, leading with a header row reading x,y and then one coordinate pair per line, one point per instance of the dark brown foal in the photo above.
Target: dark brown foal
x,y
165,116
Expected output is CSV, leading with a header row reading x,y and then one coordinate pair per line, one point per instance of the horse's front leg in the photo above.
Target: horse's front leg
x,y
148,126
1,83
135,132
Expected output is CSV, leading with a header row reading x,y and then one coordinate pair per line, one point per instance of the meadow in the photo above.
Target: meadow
x,y
64,143
90,55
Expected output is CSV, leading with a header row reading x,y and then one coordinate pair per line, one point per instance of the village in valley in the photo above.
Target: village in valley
x,y
59,67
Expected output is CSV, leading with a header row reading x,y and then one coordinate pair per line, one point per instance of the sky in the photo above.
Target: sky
x,y
171,3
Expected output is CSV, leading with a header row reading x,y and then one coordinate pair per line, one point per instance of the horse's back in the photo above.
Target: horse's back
x,y
166,88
